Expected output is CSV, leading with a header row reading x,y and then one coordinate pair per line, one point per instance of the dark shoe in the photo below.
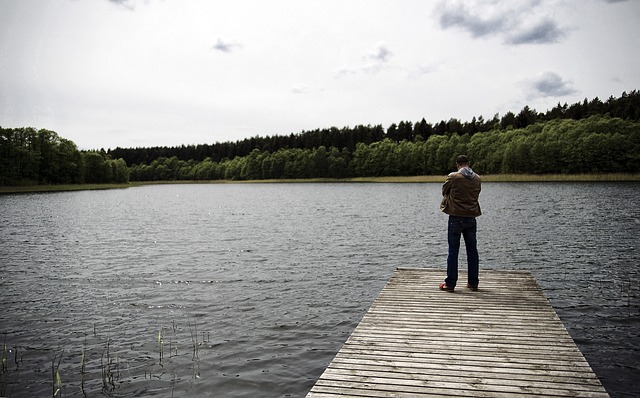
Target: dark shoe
x,y
443,286
473,288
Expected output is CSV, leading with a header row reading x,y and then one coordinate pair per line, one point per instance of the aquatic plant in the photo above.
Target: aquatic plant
x,y
107,366
161,345
83,368
196,353
5,368
17,359
97,366
56,382
173,344
194,339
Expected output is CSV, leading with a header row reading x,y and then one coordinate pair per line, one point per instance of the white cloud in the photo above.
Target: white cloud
x,y
301,89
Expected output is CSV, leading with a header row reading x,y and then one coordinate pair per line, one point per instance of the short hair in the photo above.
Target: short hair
x,y
462,159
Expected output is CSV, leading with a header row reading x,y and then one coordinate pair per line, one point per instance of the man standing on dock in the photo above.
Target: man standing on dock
x,y
460,194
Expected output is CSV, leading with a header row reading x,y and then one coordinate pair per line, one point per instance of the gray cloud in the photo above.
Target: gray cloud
x,y
128,4
376,61
225,47
381,54
546,31
517,22
550,84
372,62
458,15
344,72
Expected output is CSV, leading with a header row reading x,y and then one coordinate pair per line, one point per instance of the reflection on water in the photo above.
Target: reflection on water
x,y
250,290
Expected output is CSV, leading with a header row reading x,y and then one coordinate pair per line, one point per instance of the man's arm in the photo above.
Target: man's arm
x,y
446,187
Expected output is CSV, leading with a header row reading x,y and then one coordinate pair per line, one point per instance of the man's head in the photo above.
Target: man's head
x,y
462,161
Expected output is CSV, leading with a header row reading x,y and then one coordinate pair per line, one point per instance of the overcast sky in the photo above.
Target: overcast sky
x,y
128,73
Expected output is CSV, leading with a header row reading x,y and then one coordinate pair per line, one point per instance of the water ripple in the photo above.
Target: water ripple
x,y
250,290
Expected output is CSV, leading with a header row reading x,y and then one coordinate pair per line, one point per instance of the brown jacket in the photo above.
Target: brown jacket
x,y
460,194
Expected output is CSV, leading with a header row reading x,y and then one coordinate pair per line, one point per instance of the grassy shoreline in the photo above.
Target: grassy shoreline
x,y
10,189
618,177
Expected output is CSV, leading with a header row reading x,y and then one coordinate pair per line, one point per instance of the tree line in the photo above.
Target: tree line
x,y
598,144
30,156
627,107
589,136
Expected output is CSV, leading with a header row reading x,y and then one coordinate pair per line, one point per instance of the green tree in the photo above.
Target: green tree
x,y
515,158
69,161
95,168
320,162
252,166
525,118
338,163
120,172
361,163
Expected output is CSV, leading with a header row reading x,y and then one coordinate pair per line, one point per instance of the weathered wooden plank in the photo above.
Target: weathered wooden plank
x,y
417,331
376,357
434,371
503,340
494,383
450,355
448,366
454,387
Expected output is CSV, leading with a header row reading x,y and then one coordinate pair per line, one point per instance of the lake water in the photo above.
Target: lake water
x,y
249,290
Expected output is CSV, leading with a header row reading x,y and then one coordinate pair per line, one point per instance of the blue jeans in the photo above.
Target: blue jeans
x,y
465,226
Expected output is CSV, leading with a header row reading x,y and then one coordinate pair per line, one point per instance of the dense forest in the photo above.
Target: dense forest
x,y
30,156
598,144
586,137
625,107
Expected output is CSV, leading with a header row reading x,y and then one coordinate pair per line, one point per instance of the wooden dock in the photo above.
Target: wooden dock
x,y
504,340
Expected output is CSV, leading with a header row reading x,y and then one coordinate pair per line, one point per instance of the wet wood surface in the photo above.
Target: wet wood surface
x,y
503,340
